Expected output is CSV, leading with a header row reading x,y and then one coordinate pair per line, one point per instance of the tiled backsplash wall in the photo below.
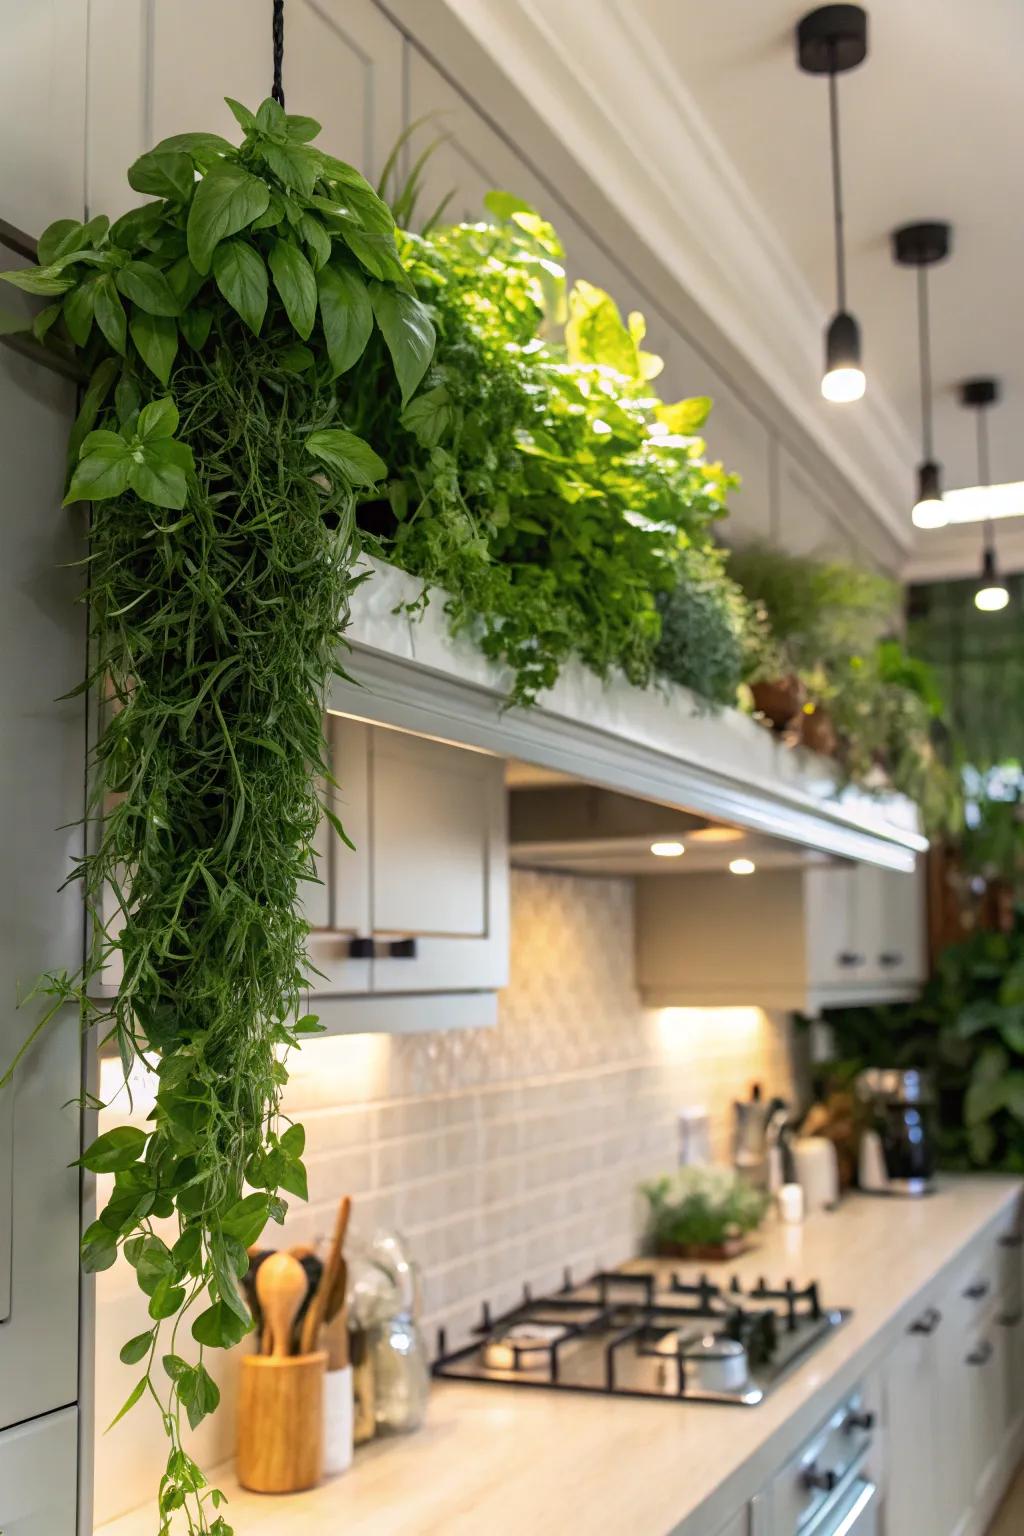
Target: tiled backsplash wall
x,y
501,1155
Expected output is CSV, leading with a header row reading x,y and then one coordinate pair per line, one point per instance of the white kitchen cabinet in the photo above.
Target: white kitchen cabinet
x,y
38,1477
420,905
782,938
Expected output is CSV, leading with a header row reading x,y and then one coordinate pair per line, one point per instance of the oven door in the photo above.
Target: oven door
x,y
853,1513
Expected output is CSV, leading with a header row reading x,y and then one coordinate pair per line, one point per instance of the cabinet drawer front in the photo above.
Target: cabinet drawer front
x,y
38,1477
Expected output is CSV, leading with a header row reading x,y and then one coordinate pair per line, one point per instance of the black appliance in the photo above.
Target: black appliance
x,y
898,1143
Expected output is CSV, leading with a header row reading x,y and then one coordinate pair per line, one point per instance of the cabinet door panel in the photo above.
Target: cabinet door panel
x,y
439,864
911,1500
339,909
38,1477
830,901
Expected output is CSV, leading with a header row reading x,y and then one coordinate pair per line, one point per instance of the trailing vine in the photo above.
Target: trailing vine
x,y
216,323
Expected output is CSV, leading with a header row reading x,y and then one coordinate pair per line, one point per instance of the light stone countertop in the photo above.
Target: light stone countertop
x,y
493,1461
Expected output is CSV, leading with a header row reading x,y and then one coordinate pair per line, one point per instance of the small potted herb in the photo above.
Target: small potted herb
x,y
701,1212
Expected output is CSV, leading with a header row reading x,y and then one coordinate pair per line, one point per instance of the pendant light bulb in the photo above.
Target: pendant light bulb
x,y
929,508
991,595
843,379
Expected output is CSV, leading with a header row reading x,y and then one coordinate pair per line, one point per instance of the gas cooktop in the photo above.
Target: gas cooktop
x,y
640,1334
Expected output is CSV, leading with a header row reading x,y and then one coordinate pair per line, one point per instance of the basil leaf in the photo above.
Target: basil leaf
x,y
52,241
42,322
137,1348
294,164
226,200
245,119
242,280
147,287
42,280
136,226
195,327
246,1219
163,173
429,416
347,455
156,340
96,392
270,116
295,282
206,150
121,1147
109,311
345,314
158,419
316,237
219,1327
78,309
408,332
127,397
98,1248
129,1402
301,129
102,472
161,483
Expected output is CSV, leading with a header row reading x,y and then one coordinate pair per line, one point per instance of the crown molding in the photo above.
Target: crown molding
x,y
573,66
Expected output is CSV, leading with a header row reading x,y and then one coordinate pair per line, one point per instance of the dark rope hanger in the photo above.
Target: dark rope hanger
x,y
277,89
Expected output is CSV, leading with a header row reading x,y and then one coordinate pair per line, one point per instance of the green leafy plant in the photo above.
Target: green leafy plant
x,y
216,323
701,1207
537,478
707,628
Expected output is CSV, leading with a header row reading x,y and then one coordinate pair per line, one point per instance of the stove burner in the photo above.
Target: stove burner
x,y
631,1334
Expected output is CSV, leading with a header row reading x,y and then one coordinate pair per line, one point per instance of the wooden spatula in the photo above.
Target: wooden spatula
x,y
313,1321
281,1286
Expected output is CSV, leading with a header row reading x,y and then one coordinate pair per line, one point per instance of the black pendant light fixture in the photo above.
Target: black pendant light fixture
x,y
830,41
921,246
979,395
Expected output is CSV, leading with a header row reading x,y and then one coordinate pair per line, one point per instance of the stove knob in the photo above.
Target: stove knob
x,y
862,1420
826,1481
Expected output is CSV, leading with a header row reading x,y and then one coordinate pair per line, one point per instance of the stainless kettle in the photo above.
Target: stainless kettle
x,y
757,1125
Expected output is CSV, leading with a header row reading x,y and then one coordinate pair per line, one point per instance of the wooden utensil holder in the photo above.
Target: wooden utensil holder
x,y
280,1422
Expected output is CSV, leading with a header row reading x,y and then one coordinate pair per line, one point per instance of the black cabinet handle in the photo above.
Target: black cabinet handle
x,y
826,1480
360,949
850,959
977,1291
927,1322
402,949
862,1420
982,1355
1010,1319
890,957
1012,1240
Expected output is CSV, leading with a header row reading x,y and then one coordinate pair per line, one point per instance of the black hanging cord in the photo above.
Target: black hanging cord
x,y
924,353
985,476
837,183
277,89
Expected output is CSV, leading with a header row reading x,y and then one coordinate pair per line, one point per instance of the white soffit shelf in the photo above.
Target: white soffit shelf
x,y
653,743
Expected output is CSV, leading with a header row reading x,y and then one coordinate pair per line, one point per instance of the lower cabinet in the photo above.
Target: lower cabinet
x,y
954,1399
38,1476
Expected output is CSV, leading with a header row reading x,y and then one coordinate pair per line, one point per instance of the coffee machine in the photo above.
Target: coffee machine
x,y
897,1144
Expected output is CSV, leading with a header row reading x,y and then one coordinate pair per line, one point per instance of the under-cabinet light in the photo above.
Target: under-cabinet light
x,y
742,866
668,850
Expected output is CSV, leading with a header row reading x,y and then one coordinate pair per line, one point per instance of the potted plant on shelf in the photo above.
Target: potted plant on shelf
x,y
702,1213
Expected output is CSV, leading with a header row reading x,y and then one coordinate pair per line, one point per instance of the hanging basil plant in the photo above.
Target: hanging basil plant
x,y
215,323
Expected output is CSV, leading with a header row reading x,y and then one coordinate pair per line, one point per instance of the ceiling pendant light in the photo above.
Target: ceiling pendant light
x,y
921,246
991,594
830,41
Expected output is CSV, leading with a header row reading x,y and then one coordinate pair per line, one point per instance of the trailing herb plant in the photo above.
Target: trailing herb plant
x,y
217,323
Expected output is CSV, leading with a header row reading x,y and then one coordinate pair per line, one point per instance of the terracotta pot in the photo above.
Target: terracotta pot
x,y
818,734
780,700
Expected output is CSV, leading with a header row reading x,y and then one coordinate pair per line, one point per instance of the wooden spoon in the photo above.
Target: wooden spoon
x,y
281,1286
313,1320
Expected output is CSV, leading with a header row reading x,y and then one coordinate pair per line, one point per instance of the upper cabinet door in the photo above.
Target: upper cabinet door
x,y
834,958
439,866
339,907
42,111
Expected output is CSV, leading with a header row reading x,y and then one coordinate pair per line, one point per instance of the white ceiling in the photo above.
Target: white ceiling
x,y
932,127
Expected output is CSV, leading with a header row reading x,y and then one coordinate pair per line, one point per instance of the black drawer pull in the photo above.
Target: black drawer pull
x,y
864,1419
1012,1240
1010,1319
977,1291
402,949
890,958
928,1322
826,1481
360,949
850,959
980,1356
